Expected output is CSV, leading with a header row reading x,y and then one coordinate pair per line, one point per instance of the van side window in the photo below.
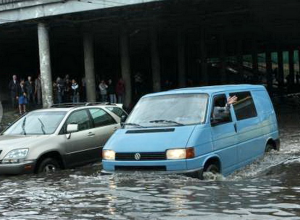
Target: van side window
x,y
244,108
220,112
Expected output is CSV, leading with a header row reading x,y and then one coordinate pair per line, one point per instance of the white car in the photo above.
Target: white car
x,y
57,138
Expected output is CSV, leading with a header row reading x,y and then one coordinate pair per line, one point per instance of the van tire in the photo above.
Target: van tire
x,y
269,147
213,168
48,165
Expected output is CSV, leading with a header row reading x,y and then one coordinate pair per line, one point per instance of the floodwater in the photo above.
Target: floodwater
x,y
266,189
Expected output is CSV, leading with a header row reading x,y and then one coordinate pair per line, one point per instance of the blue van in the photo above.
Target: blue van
x,y
195,130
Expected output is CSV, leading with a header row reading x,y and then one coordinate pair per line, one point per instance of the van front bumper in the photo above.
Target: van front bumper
x,y
182,172
18,168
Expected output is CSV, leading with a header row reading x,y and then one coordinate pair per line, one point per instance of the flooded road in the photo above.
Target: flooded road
x,y
267,189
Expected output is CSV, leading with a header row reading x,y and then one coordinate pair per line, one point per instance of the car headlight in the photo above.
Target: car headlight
x,y
15,156
177,154
108,155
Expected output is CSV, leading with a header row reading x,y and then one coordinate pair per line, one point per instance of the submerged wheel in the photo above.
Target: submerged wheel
x,y
48,165
269,147
212,168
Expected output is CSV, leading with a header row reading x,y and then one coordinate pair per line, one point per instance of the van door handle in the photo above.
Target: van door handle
x,y
91,134
235,127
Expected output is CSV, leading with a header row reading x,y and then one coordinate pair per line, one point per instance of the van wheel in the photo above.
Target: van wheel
x,y
269,147
212,168
48,165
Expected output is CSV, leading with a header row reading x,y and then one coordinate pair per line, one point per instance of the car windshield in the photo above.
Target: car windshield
x,y
37,123
175,109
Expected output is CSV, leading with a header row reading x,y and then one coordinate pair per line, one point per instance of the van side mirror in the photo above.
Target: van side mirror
x,y
71,128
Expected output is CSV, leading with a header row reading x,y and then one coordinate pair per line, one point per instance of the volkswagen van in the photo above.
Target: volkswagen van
x,y
178,131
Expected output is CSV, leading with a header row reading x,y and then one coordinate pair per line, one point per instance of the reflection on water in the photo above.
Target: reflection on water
x,y
266,189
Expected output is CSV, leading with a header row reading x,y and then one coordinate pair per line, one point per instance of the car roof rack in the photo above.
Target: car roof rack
x,y
79,104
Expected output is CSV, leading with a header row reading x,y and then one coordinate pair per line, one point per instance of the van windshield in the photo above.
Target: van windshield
x,y
175,109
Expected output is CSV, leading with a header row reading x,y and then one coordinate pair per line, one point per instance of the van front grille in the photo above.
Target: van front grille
x,y
140,168
143,156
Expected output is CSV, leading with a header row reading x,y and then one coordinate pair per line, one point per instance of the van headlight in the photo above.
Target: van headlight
x,y
15,156
108,155
177,154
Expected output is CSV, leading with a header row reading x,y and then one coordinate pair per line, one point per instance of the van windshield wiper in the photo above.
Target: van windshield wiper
x,y
23,126
166,121
134,124
42,126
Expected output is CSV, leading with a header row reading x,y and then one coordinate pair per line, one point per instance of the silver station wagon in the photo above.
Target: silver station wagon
x,y
57,138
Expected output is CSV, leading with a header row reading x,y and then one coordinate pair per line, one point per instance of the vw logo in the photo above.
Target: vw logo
x,y
137,156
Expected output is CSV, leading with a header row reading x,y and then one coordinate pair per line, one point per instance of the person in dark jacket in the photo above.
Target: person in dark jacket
x,y
22,97
29,84
14,91
111,90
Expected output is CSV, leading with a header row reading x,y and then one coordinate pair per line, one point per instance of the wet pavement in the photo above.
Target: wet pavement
x,y
266,189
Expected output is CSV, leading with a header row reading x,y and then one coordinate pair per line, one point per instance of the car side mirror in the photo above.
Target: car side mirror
x,y
123,118
71,128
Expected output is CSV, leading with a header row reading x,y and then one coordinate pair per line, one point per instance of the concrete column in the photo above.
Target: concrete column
x,y
125,65
280,72
254,62
181,58
269,72
155,61
203,58
291,66
45,65
223,75
88,48
239,59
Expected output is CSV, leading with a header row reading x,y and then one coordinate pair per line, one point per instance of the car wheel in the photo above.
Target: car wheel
x,y
48,165
269,147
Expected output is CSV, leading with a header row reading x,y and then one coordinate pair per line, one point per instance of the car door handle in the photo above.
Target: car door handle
x,y
91,134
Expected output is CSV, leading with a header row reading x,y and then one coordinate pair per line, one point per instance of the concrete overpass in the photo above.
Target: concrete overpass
x,y
180,40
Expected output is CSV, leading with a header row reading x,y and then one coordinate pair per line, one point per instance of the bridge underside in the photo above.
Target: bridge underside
x,y
187,42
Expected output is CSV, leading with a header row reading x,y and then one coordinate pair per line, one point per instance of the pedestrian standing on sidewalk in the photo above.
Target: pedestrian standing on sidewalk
x,y
111,92
22,97
120,90
60,89
75,91
103,91
29,84
14,91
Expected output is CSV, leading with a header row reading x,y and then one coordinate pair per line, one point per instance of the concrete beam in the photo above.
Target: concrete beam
x,y
254,61
223,75
280,72
45,65
33,9
181,58
291,67
203,58
88,47
269,72
125,65
155,60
